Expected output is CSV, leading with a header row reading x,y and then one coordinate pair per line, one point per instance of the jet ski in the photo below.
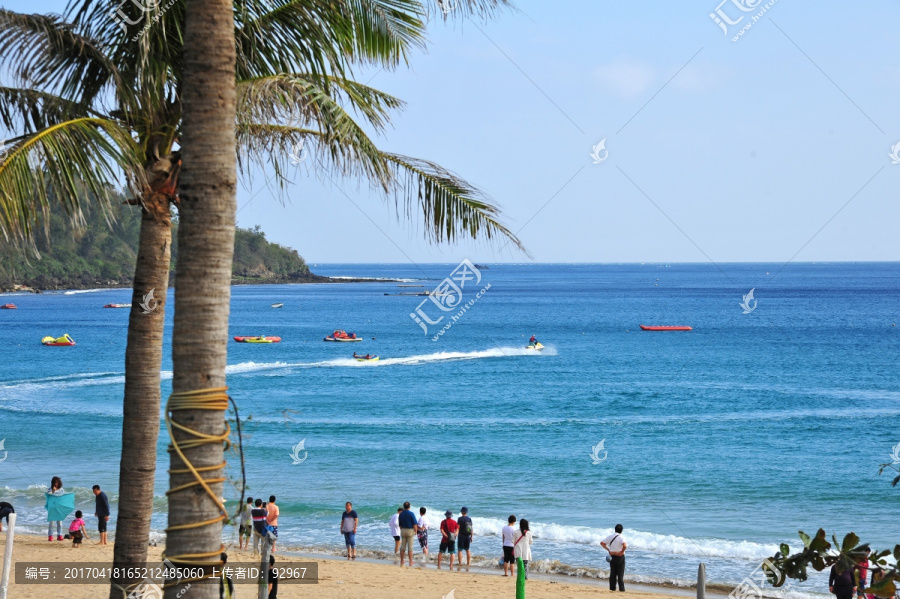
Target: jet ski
x,y
365,358
536,345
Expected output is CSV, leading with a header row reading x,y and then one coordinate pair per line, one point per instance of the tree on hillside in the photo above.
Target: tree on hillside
x,y
96,102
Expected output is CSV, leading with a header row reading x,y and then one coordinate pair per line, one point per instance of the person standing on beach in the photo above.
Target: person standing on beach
x,y
101,512
258,515
466,532
246,528
422,533
522,542
408,526
272,518
509,560
349,522
842,584
395,529
863,574
449,530
615,544
6,509
226,585
56,488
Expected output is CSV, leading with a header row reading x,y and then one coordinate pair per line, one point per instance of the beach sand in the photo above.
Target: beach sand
x,y
337,578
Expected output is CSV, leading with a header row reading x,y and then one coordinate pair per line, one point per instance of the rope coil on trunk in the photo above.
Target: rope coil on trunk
x,y
202,399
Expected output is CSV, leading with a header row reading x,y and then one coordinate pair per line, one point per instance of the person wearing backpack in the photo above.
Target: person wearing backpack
x,y
449,530
615,544
522,542
466,532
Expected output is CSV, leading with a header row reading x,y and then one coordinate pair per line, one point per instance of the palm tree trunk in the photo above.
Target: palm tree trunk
x,y
143,359
207,190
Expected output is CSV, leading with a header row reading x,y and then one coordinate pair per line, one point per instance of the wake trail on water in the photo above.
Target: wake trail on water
x,y
118,378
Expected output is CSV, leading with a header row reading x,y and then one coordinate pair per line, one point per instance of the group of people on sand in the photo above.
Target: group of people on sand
x,y
456,534
77,530
258,519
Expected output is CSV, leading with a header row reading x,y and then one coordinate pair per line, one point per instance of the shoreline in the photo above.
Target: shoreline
x,y
337,577
235,281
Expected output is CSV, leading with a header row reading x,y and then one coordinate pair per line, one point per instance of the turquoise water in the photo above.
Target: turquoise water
x,y
719,443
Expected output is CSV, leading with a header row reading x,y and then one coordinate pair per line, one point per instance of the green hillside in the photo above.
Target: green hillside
x,y
101,254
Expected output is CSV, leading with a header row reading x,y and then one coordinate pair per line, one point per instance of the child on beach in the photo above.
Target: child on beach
x,y
77,531
522,542
422,533
509,561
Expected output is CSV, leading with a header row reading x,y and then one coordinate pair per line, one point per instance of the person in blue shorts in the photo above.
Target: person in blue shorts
x,y
349,522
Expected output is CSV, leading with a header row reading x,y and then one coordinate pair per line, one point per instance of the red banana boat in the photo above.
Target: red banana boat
x,y
8,307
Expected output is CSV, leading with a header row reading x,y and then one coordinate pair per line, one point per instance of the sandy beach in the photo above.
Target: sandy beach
x,y
337,578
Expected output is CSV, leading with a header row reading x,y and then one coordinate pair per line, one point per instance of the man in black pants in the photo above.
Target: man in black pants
x,y
615,544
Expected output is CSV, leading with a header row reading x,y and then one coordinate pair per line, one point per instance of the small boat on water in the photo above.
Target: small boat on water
x,y
537,345
260,339
665,328
117,306
64,340
9,307
278,305
343,336
365,358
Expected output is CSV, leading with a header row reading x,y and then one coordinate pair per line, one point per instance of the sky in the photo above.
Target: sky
x,y
772,148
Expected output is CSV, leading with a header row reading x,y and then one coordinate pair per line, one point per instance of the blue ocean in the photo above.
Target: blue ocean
x,y
712,445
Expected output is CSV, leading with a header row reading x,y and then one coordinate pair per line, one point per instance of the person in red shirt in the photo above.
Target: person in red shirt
x,y
449,530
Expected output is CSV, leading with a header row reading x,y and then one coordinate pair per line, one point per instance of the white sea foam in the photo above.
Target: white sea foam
x,y
637,540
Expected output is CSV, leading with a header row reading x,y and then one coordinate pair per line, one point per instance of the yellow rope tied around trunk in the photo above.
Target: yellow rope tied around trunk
x,y
201,399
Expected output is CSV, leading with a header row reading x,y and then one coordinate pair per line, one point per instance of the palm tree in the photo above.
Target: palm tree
x,y
202,291
94,104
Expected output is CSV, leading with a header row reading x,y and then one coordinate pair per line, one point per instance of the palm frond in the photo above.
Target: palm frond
x,y
30,110
72,162
45,52
461,9
451,207
290,36
302,98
